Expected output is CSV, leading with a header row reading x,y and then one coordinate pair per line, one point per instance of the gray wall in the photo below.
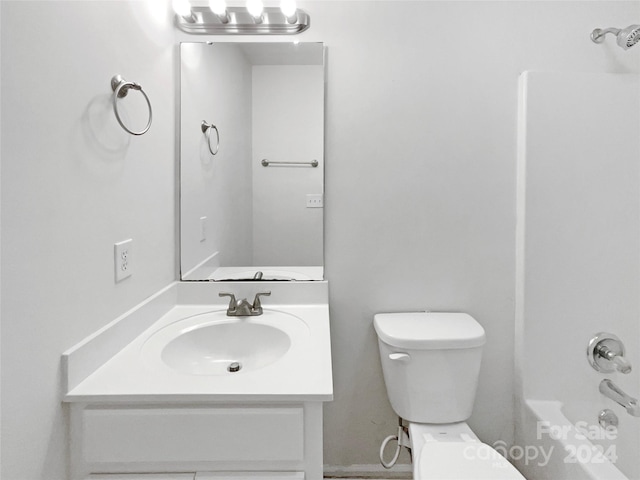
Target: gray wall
x,y
420,180
217,187
73,184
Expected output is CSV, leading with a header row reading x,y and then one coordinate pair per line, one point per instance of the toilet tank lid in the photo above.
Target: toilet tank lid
x,y
429,330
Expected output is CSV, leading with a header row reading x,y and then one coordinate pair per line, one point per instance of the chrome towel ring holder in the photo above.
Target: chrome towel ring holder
x,y
206,129
121,88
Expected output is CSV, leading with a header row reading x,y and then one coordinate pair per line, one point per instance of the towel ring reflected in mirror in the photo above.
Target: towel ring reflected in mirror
x,y
206,129
121,88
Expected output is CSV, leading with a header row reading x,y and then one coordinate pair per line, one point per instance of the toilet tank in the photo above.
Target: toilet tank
x,y
430,363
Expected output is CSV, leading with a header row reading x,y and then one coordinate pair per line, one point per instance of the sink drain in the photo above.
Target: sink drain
x,y
234,367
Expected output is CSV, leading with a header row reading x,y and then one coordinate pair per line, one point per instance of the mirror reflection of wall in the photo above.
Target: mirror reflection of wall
x,y
239,217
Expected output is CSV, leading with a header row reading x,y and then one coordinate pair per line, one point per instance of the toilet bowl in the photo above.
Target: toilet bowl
x,y
431,362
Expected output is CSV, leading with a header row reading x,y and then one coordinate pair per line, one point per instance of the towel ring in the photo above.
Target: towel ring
x,y
206,129
120,89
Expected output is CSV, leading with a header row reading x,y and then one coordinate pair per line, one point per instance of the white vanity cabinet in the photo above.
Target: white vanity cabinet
x,y
134,415
206,439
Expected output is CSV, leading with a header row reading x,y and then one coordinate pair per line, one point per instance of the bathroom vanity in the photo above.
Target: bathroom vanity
x,y
166,403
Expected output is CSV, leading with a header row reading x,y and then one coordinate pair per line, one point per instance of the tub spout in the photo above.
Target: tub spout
x,y
612,391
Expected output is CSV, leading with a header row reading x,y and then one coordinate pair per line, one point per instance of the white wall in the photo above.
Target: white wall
x,y
73,184
288,114
217,187
420,187
420,179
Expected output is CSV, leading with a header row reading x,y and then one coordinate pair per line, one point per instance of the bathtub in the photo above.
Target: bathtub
x,y
551,447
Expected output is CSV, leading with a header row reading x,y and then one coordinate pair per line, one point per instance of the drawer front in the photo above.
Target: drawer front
x,y
250,476
143,476
142,435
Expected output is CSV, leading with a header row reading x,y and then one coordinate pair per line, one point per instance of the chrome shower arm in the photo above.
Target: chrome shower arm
x,y
599,33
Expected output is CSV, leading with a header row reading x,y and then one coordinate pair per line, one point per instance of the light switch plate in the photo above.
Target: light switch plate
x,y
122,259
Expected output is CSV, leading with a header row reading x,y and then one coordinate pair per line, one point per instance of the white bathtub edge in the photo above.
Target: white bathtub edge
x,y
551,411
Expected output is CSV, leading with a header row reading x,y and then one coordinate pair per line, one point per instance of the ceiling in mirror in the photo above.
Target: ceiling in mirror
x,y
251,161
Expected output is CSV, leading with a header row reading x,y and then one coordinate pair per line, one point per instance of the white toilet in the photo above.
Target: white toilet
x,y
431,363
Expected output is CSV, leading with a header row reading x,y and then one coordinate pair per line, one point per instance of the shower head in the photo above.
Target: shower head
x,y
625,37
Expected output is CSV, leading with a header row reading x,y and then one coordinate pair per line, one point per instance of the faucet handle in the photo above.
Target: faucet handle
x,y
606,354
233,304
257,306
621,364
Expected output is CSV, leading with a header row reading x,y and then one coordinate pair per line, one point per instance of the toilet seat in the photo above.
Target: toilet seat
x,y
462,461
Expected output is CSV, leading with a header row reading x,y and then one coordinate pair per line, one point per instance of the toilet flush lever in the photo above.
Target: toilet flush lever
x,y
606,354
400,357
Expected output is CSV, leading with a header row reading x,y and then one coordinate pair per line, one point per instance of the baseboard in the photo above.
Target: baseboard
x,y
400,471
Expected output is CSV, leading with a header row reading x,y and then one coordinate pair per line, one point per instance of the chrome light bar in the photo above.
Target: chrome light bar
x,y
240,22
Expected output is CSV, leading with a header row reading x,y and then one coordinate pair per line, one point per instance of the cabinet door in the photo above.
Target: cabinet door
x,y
142,476
131,436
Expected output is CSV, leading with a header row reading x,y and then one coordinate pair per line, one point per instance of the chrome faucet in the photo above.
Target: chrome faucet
x,y
243,308
612,391
258,275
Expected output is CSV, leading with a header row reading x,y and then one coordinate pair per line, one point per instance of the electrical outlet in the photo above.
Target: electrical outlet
x,y
315,200
122,259
203,229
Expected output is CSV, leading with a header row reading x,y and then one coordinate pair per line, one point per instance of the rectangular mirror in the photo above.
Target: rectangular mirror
x,y
251,161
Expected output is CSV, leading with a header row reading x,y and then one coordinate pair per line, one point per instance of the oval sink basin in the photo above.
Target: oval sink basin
x,y
213,349
215,344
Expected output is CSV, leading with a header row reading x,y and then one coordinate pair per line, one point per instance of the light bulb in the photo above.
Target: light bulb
x,y
219,7
288,9
182,8
255,8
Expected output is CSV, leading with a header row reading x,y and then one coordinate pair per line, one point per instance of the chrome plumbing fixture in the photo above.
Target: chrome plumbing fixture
x,y
612,391
607,418
606,354
625,37
258,275
234,367
243,308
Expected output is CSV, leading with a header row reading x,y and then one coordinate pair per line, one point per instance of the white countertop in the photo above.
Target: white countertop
x,y
302,374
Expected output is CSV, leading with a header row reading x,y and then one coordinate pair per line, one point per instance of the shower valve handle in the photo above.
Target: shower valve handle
x,y
619,362
606,354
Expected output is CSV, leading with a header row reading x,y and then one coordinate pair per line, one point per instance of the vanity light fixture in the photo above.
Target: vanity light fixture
x,y
253,19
